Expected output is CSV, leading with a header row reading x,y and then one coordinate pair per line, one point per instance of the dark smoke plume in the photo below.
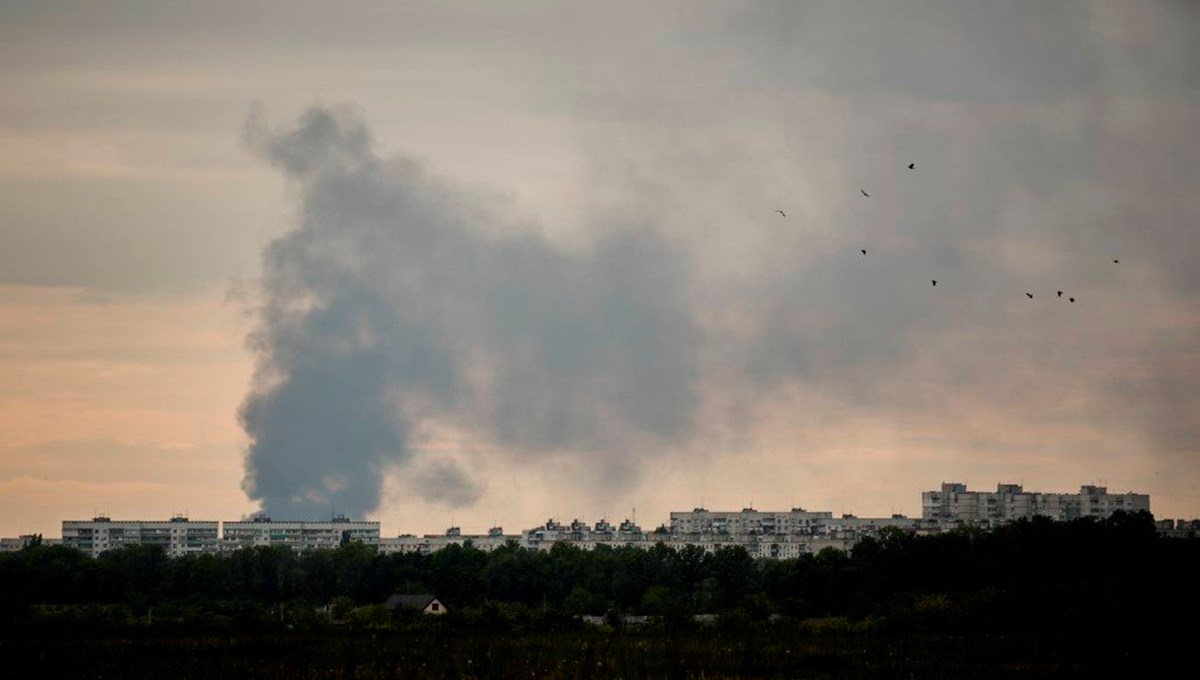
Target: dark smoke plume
x,y
400,300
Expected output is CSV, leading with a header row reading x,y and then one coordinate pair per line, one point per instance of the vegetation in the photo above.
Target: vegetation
x,y
1036,594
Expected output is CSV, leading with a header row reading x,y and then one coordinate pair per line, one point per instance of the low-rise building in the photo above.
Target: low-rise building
x,y
426,604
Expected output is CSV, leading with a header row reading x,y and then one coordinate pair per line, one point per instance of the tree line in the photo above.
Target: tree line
x,y
1032,573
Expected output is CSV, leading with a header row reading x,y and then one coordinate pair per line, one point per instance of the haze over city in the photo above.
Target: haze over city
x,y
438,263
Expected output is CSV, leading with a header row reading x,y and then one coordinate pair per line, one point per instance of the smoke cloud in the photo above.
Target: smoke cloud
x,y
401,300
689,324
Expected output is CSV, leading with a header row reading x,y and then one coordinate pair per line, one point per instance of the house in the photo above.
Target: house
x,y
426,604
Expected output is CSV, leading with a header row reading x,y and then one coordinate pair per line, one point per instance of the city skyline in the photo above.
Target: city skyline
x,y
1014,498
423,260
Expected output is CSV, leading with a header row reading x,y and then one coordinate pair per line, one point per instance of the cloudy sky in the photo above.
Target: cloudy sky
x,y
481,263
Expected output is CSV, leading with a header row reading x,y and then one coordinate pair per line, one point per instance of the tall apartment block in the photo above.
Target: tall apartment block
x,y
178,536
953,503
298,535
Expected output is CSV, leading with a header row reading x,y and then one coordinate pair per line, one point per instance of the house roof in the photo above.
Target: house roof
x,y
409,601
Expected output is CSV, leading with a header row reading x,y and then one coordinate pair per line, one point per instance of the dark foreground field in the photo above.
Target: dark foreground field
x,y
766,651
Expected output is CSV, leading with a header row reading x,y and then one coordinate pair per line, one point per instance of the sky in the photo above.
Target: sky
x,y
478,264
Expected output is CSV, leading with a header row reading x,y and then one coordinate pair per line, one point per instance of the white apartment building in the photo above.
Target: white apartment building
x,y
178,536
298,535
408,543
580,534
953,504
748,522
769,535
780,534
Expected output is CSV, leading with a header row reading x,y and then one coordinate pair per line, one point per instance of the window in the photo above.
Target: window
x,y
434,606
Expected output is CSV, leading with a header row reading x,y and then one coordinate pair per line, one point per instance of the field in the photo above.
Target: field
x,y
763,651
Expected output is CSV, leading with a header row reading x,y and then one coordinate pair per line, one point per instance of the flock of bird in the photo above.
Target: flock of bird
x,y
913,166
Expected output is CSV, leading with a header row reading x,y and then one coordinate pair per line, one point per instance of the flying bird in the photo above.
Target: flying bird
x,y
1071,299
935,282
912,166
1030,295
781,213
1060,293
1116,261
863,251
864,193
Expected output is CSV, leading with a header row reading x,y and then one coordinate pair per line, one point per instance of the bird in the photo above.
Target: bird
x,y
781,213
1116,262
935,282
1071,299
863,251
1060,293
912,166
1029,295
864,193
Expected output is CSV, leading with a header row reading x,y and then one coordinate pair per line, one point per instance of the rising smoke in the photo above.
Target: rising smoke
x,y
402,304
399,300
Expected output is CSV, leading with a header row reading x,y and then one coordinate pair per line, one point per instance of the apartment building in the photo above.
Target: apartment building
x,y
178,536
408,543
748,522
953,504
298,535
583,535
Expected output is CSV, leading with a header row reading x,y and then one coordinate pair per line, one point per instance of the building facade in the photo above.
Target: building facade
x,y
178,536
954,505
584,535
298,535
408,543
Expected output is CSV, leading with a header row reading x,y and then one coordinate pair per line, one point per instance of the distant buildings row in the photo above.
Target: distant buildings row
x,y
772,535
181,536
